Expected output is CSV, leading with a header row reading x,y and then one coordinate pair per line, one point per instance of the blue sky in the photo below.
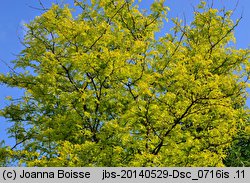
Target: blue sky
x,y
14,13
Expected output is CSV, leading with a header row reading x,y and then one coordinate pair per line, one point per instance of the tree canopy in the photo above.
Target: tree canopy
x,y
102,90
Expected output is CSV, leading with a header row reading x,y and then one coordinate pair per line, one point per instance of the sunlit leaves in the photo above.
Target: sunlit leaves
x,y
104,92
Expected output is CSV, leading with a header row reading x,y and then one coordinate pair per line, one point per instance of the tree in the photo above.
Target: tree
x,y
239,152
101,90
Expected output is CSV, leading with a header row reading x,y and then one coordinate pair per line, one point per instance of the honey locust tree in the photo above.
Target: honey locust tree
x,y
101,90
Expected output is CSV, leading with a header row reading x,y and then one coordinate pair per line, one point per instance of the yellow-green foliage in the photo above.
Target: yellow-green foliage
x,y
105,92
